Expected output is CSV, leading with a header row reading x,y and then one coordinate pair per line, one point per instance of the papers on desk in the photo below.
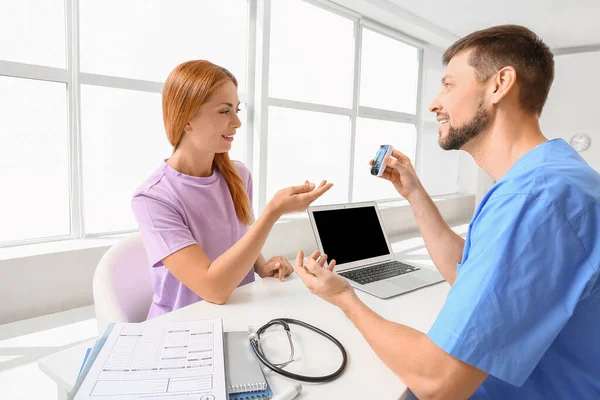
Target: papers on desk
x,y
176,361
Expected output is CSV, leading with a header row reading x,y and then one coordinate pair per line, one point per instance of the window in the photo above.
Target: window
x,y
81,115
327,120
92,138
238,147
310,61
33,32
116,121
389,73
123,141
146,39
34,159
370,134
315,146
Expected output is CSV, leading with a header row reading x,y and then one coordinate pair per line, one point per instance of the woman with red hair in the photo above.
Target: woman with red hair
x,y
194,213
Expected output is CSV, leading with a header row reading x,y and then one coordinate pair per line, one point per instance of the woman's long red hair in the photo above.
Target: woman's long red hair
x,y
189,86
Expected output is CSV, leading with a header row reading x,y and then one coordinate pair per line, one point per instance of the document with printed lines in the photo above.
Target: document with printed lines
x,y
175,360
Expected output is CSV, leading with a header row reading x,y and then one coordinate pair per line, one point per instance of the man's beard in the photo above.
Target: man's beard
x,y
458,137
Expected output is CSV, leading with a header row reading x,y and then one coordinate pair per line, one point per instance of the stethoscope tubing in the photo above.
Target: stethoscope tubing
x,y
302,378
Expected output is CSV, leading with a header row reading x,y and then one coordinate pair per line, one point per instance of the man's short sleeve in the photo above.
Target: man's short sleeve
x,y
162,228
523,274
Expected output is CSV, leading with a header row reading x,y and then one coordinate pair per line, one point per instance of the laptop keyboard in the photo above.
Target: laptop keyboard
x,y
378,272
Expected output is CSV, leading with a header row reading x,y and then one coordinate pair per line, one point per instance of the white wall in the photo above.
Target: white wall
x,y
573,102
438,168
444,171
389,14
47,283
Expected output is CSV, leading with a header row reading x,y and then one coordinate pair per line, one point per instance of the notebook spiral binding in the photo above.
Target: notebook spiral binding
x,y
248,387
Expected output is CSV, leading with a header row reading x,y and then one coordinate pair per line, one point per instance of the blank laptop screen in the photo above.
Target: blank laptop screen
x,y
350,234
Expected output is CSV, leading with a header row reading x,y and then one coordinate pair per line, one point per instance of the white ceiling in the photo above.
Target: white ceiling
x,y
560,23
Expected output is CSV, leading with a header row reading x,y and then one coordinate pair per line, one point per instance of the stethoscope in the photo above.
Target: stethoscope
x,y
254,337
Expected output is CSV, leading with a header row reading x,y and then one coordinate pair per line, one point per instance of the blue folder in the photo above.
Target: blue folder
x,y
90,357
87,354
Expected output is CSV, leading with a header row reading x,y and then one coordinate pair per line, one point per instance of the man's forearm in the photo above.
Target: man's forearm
x,y
399,347
444,246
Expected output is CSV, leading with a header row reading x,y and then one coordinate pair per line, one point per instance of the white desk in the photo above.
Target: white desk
x,y
365,377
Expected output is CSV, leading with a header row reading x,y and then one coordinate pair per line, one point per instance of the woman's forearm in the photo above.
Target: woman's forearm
x,y
232,266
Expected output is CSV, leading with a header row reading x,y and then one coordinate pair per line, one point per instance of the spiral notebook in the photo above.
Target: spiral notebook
x,y
262,395
242,372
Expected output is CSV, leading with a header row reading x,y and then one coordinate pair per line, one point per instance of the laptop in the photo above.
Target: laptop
x,y
353,236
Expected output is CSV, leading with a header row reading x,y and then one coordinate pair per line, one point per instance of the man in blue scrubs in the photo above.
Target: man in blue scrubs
x,y
522,318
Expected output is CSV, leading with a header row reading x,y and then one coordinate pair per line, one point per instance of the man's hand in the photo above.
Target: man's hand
x,y
401,173
320,279
277,267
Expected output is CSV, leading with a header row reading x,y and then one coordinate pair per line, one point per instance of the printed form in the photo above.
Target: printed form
x,y
176,360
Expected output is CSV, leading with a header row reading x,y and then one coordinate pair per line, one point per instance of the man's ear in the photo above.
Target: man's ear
x,y
502,83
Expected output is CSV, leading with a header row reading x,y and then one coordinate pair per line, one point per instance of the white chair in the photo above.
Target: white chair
x,y
122,285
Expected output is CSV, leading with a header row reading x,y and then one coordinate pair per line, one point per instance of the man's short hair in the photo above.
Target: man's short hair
x,y
510,45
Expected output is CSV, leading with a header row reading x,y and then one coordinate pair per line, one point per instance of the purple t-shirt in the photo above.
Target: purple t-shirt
x,y
174,211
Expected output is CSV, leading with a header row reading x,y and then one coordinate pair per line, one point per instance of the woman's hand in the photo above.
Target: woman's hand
x,y
297,198
277,267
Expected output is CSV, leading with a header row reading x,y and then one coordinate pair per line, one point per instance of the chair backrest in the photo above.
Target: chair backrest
x,y
122,285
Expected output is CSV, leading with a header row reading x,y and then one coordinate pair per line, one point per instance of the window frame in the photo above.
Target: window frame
x,y
256,97
74,78
263,100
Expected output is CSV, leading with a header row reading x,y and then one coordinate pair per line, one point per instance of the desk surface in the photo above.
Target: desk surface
x,y
255,304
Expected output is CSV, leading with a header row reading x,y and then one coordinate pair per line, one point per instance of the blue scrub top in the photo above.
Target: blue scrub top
x,y
525,306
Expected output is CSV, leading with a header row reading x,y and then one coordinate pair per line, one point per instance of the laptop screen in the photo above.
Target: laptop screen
x,y
351,234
